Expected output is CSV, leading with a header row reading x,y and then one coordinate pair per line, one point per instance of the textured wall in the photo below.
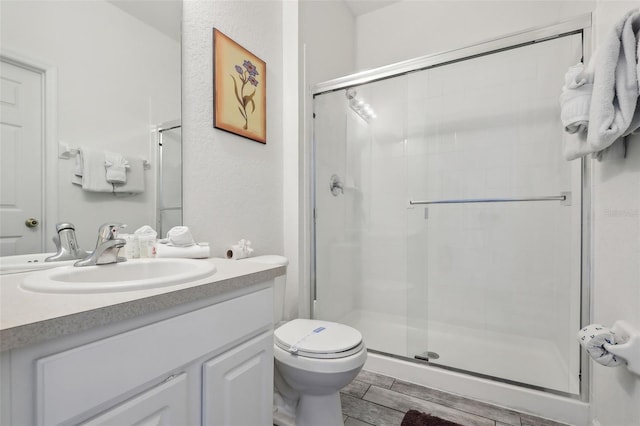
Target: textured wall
x,y
616,264
232,185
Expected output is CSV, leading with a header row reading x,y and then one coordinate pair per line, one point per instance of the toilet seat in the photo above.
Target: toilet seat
x,y
318,339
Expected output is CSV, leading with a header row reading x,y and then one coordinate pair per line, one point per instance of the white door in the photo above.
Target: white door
x,y
237,386
21,157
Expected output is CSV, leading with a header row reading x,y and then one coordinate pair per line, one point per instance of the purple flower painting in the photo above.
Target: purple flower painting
x,y
239,89
245,75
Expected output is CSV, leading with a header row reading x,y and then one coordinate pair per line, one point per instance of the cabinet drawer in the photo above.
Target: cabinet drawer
x,y
162,405
77,381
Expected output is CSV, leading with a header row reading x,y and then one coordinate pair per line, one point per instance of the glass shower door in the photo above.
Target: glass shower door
x,y
448,225
495,282
360,233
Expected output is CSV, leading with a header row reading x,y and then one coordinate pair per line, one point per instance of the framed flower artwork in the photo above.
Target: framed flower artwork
x,y
239,89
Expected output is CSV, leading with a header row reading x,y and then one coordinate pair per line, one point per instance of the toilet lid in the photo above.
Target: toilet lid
x,y
318,339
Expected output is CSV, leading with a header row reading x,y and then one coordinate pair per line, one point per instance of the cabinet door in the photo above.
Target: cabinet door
x,y
238,385
162,405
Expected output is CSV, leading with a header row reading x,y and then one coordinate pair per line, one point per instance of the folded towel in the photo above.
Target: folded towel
x,y
196,251
116,167
575,100
180,236
92,171
76,178
135,177
615,74
574,145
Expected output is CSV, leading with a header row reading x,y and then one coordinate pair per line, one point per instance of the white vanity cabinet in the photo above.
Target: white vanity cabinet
x,y
165,404
240,376
199,364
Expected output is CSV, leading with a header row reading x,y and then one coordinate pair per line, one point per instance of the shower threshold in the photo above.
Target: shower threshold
x,y
487,354
427,356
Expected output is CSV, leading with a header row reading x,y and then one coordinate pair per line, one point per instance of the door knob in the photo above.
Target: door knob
x,y
31,222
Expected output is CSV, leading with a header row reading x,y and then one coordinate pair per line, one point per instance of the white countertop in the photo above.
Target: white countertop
x,y
27,317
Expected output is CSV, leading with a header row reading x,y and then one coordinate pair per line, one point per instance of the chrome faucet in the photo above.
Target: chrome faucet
x,y
66,244
107,246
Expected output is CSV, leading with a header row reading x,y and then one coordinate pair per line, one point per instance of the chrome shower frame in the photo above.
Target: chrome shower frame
x,y
158,142
581,25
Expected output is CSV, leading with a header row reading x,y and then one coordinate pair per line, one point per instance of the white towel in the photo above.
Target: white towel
x,y
575,100
196,251
593,339
76,178
616,87
180,236
116,167
135,177
92,171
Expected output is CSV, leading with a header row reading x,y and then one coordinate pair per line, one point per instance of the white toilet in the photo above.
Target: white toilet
x,y
313,361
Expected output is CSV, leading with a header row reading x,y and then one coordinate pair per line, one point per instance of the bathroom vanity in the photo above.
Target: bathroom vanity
x,y
189,354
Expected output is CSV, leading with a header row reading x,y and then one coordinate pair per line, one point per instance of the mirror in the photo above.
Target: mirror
x,y
98,76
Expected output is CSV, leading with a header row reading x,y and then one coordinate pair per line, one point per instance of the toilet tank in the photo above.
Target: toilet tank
x,y
279,286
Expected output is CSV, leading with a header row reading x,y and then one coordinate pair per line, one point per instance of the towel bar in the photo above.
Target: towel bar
x,y
66,152
564,197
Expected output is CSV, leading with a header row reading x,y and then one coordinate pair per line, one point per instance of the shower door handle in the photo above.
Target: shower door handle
x,y
335,185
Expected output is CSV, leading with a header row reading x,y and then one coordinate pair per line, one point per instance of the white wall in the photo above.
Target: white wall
x,y
233,187
112,86
615,393
326,51
410,29
327,31
293,217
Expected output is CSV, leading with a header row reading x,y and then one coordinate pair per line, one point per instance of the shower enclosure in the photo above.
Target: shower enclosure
x,y
449,229
169,177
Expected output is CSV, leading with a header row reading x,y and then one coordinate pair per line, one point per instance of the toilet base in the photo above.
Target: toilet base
x,y
319,410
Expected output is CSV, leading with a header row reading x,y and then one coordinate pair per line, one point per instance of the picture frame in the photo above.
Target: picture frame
x,y
239,89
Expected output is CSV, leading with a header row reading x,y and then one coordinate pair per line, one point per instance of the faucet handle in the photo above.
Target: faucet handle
x,y
61,226
109,231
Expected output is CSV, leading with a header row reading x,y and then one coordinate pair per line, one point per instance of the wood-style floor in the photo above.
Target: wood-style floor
x,y
374,399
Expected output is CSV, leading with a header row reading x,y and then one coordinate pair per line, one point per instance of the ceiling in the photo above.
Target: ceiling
x,y
163,15
360,7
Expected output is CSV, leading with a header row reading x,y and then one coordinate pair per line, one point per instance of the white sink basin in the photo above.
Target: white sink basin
x,y
135,274
29,262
